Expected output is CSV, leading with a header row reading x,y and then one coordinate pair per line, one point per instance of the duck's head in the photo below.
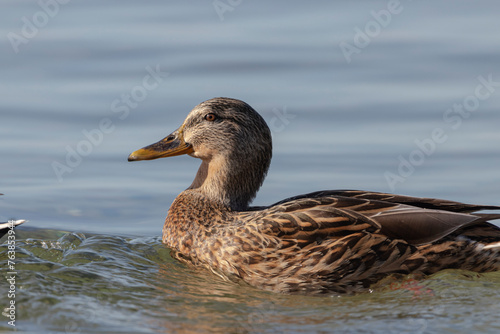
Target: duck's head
x,y
232,140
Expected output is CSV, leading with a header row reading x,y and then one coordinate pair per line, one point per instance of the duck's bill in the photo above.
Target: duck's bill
x,y
169,146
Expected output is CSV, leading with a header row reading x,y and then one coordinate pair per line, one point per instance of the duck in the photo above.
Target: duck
x,y
325,242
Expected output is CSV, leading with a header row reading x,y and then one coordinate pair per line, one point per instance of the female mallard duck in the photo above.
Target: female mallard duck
x,y
327,241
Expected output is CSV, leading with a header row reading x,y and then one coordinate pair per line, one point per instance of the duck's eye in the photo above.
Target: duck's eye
x,y
210,117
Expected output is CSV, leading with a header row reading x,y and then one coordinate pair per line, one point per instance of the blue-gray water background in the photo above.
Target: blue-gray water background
x,y
376,95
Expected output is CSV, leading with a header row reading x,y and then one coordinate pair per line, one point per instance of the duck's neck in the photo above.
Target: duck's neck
x,y
189,218
232,185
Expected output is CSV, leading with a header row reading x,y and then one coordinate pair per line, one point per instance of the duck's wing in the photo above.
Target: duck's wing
x,y
421,202
308,220
330,243
333,214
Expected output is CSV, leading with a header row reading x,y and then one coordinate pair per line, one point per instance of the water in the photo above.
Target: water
x,y
337,122
76,283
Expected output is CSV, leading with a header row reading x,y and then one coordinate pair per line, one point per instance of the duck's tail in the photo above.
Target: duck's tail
x,y
475,248
488,239
494,245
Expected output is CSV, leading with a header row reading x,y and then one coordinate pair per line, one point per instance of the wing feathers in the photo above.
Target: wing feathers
x,y
335,214
420,226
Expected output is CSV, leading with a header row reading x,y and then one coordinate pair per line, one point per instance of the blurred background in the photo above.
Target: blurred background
x,y
391,96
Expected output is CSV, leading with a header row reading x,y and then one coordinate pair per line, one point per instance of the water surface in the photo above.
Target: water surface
x,y
76,283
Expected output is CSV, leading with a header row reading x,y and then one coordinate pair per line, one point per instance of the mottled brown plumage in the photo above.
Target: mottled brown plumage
x,y
323,242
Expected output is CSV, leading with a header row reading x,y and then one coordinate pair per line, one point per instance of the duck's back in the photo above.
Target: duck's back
x,y
333,241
